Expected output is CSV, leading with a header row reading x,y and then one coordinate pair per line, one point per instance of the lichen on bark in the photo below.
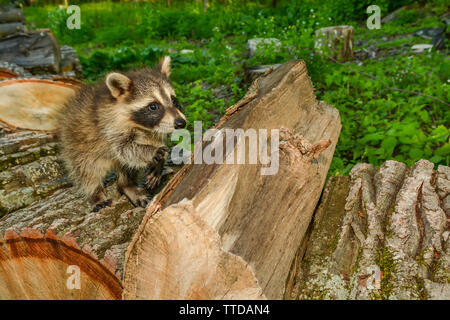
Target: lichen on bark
x,y
393,240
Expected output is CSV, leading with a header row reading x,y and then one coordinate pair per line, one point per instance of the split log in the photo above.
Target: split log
x,y
37,51
336,42
380,234
226,231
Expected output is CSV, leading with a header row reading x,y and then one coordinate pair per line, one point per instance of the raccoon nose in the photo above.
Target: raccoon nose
x,y
180,123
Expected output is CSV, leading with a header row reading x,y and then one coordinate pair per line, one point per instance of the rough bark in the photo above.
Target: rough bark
x,y
226,231
8,29
380,234
37,51
336,42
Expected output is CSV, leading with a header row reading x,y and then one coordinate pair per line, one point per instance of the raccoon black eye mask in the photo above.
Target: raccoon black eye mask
x,y
149,116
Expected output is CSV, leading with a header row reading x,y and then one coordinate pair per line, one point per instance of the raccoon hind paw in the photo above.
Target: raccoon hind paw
x,y
142,201
100,205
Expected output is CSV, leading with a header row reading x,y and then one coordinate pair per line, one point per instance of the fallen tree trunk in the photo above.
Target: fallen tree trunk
x,y
226,231
379,234
36,51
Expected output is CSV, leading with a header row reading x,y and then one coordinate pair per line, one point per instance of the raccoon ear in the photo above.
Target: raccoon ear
x,y
118,84
164,66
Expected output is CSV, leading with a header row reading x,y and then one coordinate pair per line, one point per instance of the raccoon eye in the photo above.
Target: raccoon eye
x,y
153,106
175,102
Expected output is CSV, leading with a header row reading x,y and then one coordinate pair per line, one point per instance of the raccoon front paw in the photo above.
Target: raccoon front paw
x,y
153,178
160,155
100,205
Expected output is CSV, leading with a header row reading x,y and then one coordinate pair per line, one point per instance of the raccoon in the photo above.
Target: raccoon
x,y
119,124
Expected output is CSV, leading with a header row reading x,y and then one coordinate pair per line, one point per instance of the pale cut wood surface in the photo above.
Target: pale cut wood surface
x,y
31,103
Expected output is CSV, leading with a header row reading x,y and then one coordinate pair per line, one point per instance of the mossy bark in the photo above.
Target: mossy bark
x,y
382,234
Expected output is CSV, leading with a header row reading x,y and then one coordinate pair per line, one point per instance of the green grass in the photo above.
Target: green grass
x,y
379,123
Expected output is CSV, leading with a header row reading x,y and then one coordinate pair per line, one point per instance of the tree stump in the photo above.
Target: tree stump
x,y
223,231
336,42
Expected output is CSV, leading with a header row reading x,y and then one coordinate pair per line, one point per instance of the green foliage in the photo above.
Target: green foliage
x,y
378,122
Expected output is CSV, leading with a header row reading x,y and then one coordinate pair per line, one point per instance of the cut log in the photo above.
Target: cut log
x,y
226,231
336,42
29,169
31,103
48,232
8,29
11,15
36,51
380,234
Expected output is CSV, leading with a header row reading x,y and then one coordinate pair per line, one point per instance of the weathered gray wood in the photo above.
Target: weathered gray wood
x,y
12,70
8,29
36,51
11,15
70,64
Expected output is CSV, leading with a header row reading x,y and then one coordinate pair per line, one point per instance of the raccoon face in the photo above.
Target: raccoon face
x,y
147,99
